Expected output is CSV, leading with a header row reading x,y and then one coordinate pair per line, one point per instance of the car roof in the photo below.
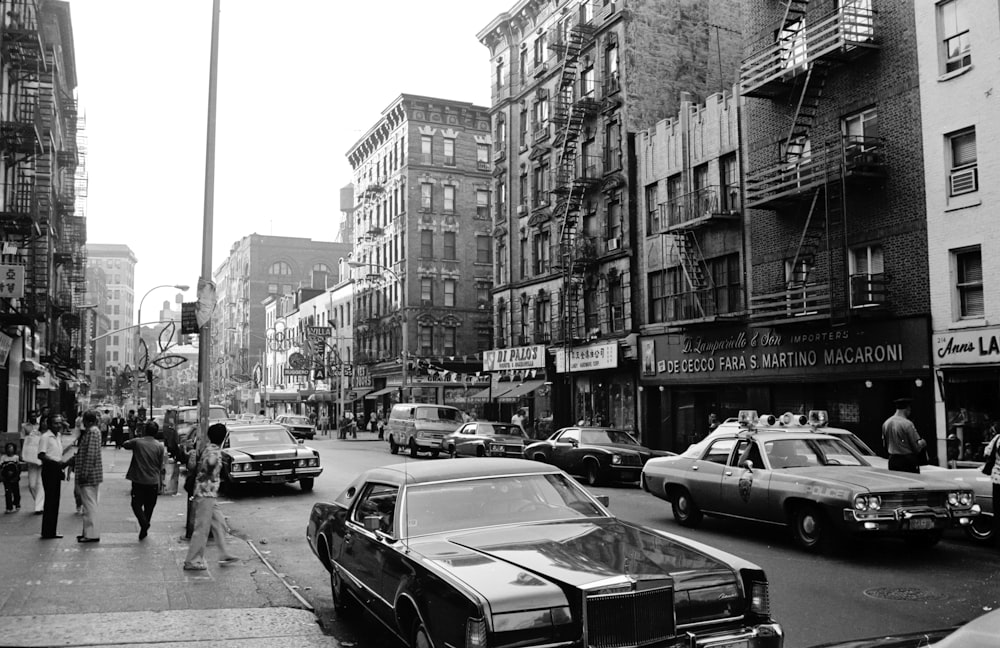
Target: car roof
x,y
767,434
244,426
422,472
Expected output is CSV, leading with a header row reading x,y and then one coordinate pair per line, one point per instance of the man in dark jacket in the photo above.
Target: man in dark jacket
x,y
144,473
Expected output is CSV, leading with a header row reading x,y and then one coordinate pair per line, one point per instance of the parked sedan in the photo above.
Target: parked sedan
x,y
981,528
596,453
486,439
507,552
267,454
300,426
981,632
813,483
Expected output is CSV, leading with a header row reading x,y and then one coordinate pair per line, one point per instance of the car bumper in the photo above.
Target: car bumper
x,y
621,473
905,520
280,476
425,444
763,635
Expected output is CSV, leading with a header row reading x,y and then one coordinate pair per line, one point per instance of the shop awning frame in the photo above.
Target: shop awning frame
x,y
521,390
284,397
382,392
494,391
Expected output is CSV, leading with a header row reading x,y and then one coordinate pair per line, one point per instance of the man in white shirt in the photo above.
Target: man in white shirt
x,y
50,452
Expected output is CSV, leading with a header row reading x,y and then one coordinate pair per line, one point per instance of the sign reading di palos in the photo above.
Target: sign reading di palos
x,y
526,357
12,281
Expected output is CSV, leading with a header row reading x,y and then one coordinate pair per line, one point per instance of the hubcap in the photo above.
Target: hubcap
x,y
809,525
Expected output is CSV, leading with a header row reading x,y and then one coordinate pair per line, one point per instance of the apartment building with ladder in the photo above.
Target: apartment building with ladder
x,y
572,82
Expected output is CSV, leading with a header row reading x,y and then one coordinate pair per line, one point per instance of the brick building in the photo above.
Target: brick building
x,y
836,233
572,81
958,49
422,230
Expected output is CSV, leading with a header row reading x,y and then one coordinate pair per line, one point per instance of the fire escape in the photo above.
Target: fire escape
x,y
811,174
575,176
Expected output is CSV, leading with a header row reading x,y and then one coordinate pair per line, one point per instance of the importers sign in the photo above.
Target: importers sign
x,y
527,357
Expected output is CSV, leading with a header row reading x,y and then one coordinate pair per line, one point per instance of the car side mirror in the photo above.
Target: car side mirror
x,y
574,443
301,441
603,500
384,537
373,522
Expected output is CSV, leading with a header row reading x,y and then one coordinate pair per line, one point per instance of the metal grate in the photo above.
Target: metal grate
x,y
630,619
916,498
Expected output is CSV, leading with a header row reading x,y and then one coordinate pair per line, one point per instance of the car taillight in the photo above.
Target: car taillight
x,y
760,599
475,633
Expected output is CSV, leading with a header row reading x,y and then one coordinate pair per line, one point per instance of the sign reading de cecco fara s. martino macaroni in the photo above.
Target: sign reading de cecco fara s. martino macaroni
x,y
526,357
892,348
973,346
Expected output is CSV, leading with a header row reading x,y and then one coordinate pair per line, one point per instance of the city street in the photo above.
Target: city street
x,y
876,588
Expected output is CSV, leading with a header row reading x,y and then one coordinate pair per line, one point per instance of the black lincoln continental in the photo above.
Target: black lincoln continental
x,y
508,552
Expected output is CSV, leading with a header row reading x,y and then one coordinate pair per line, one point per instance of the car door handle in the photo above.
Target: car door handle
x,y
729,473
694,467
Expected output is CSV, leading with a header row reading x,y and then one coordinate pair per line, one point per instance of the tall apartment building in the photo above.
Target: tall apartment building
x,y
42,240
958,50
572,82
838,300
422,228
117,263
259,267
94,329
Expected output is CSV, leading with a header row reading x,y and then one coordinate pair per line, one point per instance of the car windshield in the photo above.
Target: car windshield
x,y
243,438
807,453
488,501
598,437
493,429
191,415
857,445
437,414
296,420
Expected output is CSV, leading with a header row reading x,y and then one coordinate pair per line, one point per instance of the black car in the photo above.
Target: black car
x,y
267,454
598,454
508,552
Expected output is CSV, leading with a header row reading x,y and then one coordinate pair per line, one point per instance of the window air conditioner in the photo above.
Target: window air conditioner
x,y
614,244
964,181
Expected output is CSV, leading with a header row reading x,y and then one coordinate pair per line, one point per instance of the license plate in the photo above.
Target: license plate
x,y
277,479
920,524
497,453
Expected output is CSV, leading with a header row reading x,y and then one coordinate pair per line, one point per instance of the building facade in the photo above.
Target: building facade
x,y
422,249
572,81
115,262
957,51
260,267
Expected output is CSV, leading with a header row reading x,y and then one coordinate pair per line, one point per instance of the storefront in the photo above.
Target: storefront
x,y
519,380
853,371
601,383
967,372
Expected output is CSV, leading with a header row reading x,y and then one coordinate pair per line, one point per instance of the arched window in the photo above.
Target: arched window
x,y
280,268
321,267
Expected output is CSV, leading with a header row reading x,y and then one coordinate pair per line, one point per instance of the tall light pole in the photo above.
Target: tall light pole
x,y
402,309
149,373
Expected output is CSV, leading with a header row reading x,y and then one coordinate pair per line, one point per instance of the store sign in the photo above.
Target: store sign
x,y
588,358
295,372
867,350
527,357
967,347
12,281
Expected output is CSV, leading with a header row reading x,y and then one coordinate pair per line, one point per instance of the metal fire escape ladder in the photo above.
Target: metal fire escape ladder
x,y
693,265
806,109
794,10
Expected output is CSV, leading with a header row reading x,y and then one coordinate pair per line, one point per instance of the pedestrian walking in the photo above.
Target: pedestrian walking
x,y
118,430
901,439
148,456
992,455
89,475
30,424
132,423
105,425
50,453
10,473
207,513
29,454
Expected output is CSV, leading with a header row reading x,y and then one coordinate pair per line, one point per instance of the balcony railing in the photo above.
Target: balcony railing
x,y
802,302
484,165
701,207
611,85
577,253
541,134
791,181
869,290
848,32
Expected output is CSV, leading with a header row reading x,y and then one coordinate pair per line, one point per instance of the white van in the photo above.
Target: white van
x,y
421,427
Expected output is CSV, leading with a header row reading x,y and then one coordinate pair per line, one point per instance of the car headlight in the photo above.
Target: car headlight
x,y
237,467
960,498
867,502
531,619
314,462
616,459
301,463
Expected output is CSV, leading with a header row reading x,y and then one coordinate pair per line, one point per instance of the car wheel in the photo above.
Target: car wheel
x,y
452,452
810,528
592,472
420,639
685,511
307,484
480,451
414,450
393,448
981,529
538,456
923,539
341,599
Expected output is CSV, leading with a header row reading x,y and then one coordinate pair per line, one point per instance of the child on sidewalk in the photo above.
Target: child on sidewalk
x,y
10,472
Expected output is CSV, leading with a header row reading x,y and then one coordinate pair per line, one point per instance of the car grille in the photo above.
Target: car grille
x,y
630,619
934,499
631,460
276,465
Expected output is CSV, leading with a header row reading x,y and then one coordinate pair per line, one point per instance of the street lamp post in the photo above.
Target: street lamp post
x,y
149,372
403,331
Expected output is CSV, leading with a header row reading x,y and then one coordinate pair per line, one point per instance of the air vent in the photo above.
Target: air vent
x,y
964,181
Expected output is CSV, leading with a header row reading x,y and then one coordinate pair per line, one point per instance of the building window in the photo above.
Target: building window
x,y
482,295
449,199
963,176
523,256
615,222
449,151
483,157
612,146
280,268
501,133
954,25
426,196
501,269
483,248
426,149
426,291
482,204
587,82
522,199
969,284
540,49
499,75
729,181
525,316
540,190
727,280
448,341
616,303
426,338
449,246
501,321
272,289
449,292
543,318
426,244
591,314
543,243
484,339
611,69
523,127
867,276
652,211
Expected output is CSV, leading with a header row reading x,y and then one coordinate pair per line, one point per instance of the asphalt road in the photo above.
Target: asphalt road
x,y
871,589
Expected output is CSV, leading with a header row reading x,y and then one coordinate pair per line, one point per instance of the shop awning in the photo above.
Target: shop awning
x,y
357,393
283,397
494,392
321,396
521,390
382,392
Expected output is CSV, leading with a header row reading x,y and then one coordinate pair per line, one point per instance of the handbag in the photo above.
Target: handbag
x,y
991,461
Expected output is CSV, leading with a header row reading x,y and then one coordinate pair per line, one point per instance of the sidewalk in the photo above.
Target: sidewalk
x,y
129,593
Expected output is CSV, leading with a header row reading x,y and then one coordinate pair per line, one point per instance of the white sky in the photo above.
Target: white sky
x,y
299,82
